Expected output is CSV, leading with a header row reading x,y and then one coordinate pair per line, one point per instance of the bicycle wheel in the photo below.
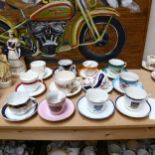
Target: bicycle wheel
x,y
110,45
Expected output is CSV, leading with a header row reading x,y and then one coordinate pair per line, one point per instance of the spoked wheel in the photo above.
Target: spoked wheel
x,y
109,46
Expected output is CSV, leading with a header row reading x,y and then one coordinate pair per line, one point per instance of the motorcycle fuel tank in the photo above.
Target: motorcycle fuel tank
x,y
56,10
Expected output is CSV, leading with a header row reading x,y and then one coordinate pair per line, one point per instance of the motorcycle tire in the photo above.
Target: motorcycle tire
x,y
116,28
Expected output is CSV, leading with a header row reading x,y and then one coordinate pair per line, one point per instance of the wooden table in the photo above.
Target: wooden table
x,y
78,127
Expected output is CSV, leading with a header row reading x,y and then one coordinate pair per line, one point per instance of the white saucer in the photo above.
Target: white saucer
x,y
110,74
83,73
142,111
117,87
39,91
53,86
153,75
145,66
9,116
83,109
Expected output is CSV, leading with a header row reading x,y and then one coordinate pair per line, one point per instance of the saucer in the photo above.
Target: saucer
x,y
153,75
82,73
117,87
142,111
45,113
110,74
77,90
147,67
9,116
39,91
108,110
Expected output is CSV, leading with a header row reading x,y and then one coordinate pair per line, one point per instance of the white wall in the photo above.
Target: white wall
x,y
150,40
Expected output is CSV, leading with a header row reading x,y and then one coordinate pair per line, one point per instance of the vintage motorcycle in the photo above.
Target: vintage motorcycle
x,y
63,25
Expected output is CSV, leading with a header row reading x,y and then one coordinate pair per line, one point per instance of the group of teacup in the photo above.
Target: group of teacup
x,y
96,104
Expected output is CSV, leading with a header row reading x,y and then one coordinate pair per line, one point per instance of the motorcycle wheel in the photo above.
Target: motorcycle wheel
x,y
110,45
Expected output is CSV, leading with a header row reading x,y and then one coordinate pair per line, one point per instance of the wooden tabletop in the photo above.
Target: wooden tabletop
x,y
78,127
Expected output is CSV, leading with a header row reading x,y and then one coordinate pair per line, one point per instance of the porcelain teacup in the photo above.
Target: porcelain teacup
x,y
56,101
65,80
19,103
151,61
96,98
135,96
29,81
128,79
142,151
90,67
128,152
39,66
116,65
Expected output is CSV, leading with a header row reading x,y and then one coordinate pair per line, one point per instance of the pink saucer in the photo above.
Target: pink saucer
x,y
45,113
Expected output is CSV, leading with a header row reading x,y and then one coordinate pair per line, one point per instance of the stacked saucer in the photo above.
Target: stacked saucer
x,y
19,106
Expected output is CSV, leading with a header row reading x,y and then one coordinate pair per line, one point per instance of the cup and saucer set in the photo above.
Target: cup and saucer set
x,y
67,82
31,84
115,67
95,104
149,63
19,106
56,107
126,79
134,103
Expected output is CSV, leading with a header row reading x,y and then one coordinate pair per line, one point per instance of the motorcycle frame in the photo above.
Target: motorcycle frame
x,y
85,17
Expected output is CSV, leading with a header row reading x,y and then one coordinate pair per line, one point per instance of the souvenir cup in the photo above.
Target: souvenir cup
x,y
30,81
96,99
56,100
39,67
135,96
90,67
65,80
151,61
19,103
128,79
116,65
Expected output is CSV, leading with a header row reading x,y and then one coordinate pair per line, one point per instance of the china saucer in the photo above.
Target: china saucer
x,y
83,109
77,89
146,66
45,113
153,75
117,87
82,73
142,111
110,74
41,89
9,116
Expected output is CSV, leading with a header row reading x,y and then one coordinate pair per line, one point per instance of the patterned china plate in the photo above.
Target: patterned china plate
x,y
39,91
45,112
9,116
142,111
108,110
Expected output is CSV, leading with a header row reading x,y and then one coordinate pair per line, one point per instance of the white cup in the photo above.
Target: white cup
x,y
19,103
114,149
30,81
96,99
142,152
128,152
90,67
151,60
135,96
38,66
56,100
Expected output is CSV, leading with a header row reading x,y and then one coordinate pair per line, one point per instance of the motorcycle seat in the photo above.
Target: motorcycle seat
x,y
18,4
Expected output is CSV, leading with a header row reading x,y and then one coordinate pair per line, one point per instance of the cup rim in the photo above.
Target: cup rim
x,y
41,62
87,64
129,80
116,60
61,62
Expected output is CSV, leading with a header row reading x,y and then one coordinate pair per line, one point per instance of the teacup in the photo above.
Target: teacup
x,y
90,67
65,80
96,99
38,66
128,79
114,149
116,65
135,96
128,152
29,81
56,100
142,151
19,103
151,60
